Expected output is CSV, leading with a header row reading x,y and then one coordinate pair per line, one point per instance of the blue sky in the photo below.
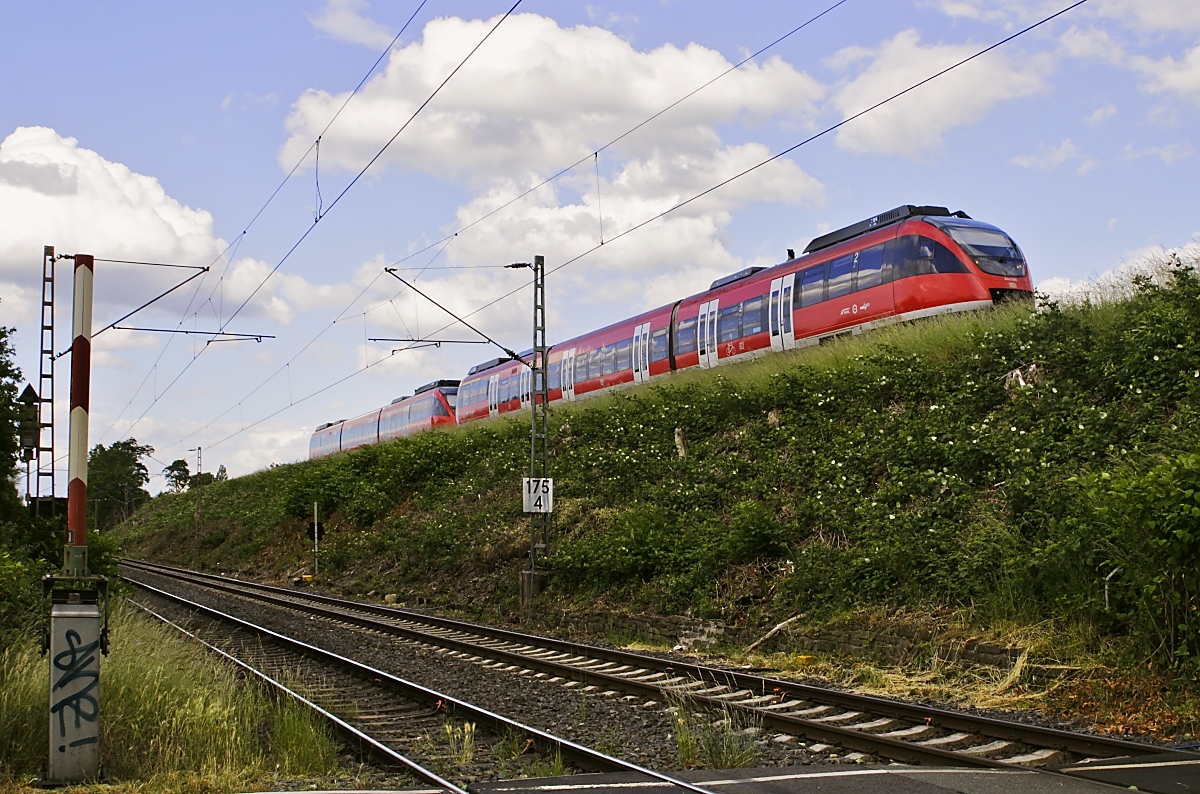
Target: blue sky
x,y
156,132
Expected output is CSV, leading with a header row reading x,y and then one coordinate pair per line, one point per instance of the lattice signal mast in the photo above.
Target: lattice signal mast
x,y
44,503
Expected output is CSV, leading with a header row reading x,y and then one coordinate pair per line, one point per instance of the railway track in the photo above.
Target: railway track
x,y
833,721
395,721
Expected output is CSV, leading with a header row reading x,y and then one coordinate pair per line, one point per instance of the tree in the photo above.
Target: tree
x,y
221,473
177,475
10,413
116,475
200,479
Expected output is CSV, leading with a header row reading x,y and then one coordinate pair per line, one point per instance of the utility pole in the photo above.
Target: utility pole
x,y
199,497
538,491
76,637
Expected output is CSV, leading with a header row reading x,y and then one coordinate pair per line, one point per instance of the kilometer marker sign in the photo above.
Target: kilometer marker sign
x,y
538,494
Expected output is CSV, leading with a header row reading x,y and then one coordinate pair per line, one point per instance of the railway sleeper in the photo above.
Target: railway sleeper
x,y
948,742
989,750
875,726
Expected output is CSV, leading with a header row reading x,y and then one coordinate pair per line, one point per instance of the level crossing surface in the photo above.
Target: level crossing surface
x,y
891,779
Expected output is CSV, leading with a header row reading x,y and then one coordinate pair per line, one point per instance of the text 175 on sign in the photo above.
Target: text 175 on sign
x,y
538,494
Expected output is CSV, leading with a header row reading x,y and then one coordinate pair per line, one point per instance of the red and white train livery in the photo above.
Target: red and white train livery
x,y
905,264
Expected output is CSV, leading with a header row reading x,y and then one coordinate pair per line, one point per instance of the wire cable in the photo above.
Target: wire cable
x,y
627,132
374,159
340,195
236,242
703,193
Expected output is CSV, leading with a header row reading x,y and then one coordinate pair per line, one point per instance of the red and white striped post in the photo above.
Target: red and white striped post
x,y
75,558
76,637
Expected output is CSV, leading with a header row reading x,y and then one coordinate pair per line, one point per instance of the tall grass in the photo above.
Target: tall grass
x,y
172,716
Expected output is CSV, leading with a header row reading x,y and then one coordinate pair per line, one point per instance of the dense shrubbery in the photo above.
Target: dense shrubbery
x,y
1010,461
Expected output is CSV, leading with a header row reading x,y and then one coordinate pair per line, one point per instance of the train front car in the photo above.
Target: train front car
x,y
904,264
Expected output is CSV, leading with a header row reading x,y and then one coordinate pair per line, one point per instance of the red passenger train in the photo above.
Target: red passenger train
x,y
905,264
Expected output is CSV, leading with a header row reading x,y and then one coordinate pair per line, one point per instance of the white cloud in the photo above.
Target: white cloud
x,y
1145,16
917,122
1170,154
1051,157
1091,42
1101,114
344,20
1153,16
1170,76
1117,283
537,96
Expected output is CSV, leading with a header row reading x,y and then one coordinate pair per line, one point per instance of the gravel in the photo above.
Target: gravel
x,y
624,727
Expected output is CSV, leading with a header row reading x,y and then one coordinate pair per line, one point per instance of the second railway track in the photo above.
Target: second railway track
x,y
831,722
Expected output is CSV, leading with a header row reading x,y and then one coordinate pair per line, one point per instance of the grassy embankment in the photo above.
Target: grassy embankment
x,y
175,718
900,470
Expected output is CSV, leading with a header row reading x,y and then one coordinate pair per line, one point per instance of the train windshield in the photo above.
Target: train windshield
x,y
991,249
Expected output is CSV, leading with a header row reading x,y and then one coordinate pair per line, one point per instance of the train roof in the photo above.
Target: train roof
x,y
738,276
486,365
879,221
437,384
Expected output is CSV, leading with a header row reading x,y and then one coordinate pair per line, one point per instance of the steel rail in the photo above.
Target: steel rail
x,y
893,749
348,732
585,757
991,727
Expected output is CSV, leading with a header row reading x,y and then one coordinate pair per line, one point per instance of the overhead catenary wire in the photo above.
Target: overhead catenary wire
x,y
232,246
642,224
625,134
375,158
344,191
448,238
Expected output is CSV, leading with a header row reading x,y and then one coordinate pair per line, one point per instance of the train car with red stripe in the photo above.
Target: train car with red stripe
x,y
905,264
431,406
901,265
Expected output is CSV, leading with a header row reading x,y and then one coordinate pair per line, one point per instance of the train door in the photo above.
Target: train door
x,y
568,375
783,335
494,395
641,353
526,383
706,333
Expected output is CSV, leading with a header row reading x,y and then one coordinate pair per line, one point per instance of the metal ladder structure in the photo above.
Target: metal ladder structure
x,y
539,462
43,496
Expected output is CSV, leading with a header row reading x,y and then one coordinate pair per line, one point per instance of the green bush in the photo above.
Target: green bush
x,y
958,461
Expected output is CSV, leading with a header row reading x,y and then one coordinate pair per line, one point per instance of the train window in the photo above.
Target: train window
x,y
754,316
554,380
439,409
992,249
658,345
869,272
840,271
624,360
596,363
685,336
786,308
813,286
451,396
921,256
608,360
729,322
581,366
